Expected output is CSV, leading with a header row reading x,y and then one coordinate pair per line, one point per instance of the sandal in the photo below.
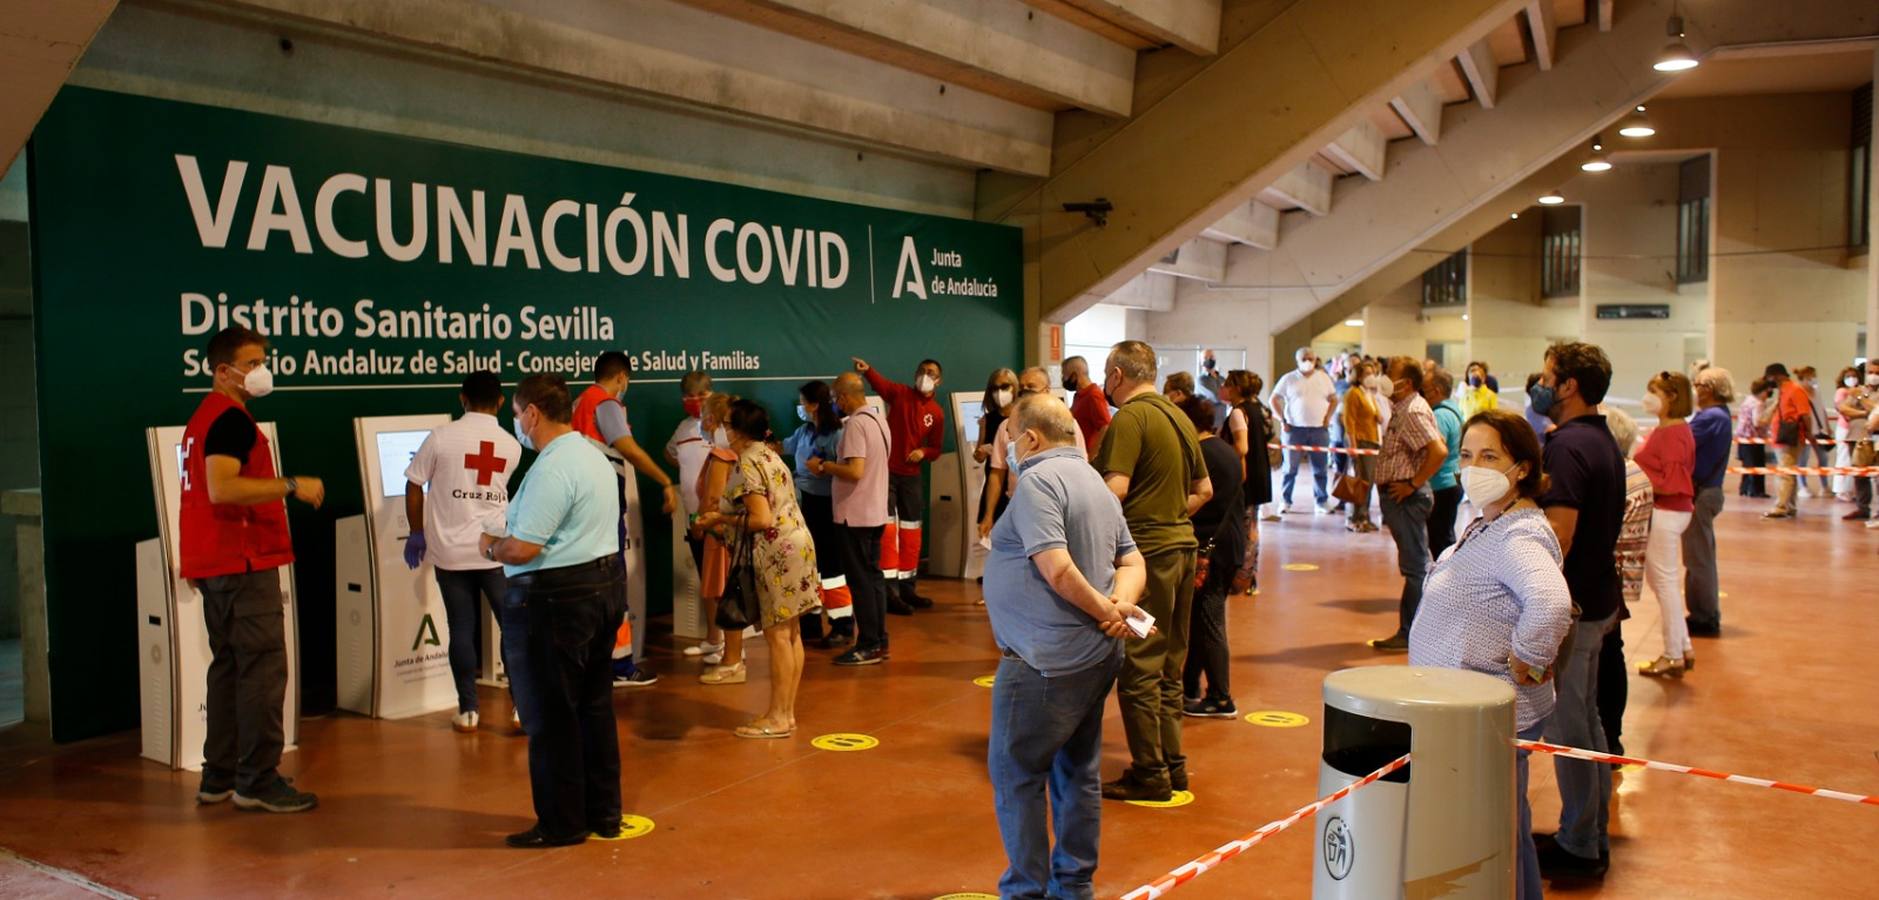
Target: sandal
x,y
736,674
757,732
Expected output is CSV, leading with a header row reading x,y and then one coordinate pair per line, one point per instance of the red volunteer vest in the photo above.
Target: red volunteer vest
x,y
222,538
584,407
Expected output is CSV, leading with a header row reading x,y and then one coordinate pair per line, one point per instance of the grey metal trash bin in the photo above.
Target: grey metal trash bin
x,y
1441,827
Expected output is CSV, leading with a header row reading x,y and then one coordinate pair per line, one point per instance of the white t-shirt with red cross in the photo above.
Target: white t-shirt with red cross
x,y
465,466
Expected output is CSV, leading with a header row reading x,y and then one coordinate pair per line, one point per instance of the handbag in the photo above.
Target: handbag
x,y
1202,565
1351,489
740,607
1788,433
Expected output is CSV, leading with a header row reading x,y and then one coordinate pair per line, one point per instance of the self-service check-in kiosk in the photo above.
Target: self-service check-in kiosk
x,y
969,475
173,664
392,638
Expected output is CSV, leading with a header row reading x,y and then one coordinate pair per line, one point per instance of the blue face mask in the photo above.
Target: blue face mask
x,y
522,436
802,412
1541,399
1011,457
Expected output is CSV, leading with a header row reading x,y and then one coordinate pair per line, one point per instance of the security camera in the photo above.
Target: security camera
x,y
1098,210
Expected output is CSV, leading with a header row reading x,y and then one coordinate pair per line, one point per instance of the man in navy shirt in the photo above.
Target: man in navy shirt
x,y
1062,578
1712,428
1585,506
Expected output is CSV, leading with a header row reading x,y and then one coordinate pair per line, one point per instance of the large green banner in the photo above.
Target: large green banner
x,y
383,268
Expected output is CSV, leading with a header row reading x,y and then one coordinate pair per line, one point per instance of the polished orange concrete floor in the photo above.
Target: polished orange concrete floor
x,y
409,808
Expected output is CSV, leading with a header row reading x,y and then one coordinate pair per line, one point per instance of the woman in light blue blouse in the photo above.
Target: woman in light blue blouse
x,y
1496,602
817,437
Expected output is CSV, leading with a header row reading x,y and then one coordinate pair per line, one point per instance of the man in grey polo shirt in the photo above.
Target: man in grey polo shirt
x,y
1061,582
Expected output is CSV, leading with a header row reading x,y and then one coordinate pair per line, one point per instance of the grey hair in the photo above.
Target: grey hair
x,y
1719,382
1136,360
1046,415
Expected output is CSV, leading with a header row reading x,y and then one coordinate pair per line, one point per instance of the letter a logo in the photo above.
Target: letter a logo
x,y
909,259
427,634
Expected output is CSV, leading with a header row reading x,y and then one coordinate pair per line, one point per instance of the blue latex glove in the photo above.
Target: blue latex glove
x,y
414,549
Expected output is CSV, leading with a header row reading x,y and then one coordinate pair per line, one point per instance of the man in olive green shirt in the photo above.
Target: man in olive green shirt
x,y
1151,458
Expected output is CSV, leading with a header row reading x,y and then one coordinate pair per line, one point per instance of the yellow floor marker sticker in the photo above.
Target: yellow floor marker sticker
x,y
845,743
968,895
1276,718
630,828
981,681
1300,567
1180,798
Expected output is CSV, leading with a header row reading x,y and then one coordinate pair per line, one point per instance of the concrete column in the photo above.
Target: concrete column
x,y
1872,259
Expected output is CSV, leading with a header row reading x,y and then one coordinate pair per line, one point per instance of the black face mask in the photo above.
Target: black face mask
x,y
1069,383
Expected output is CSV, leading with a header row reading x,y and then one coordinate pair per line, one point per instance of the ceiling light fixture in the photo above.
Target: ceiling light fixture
x,y
1464,317
1513,215
1354,323
1551,198
1598,161
1637,125
1676,55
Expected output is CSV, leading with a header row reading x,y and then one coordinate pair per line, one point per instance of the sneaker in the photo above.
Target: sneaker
x,y
1872,523
1210,708
860,657
606,832
707,650
211,792
1272,515
1177,776
1128,788
1777,514
1858,515
1556,862
1326,508
464,722
640,677
1395,643
278,797
1804,493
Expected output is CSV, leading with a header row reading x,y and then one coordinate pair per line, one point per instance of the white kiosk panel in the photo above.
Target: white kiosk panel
x,y
968,406
394,642
174,665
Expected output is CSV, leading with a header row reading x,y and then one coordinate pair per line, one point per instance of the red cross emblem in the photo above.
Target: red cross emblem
x,y
485,462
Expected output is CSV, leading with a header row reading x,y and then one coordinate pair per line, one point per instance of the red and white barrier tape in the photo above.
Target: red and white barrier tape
x,y
1824,442
1575,753
1189,870
1348,451
1855,471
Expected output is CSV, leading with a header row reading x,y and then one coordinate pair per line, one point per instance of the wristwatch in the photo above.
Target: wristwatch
x,y
489,552
293,485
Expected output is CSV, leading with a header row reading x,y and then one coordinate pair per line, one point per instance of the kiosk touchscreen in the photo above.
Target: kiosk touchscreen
x,y
174,663
393,641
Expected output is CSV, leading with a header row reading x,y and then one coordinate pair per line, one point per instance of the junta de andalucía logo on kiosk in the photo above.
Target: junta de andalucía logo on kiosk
x,y
427,634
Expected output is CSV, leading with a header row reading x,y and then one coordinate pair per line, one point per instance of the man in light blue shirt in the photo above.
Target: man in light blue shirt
x,y
1439,389
561,554
1061,582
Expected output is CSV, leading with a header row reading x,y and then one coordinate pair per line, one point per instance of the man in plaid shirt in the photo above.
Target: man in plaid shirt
x,y
1413,451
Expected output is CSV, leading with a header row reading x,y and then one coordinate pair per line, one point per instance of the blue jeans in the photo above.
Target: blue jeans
x,y
1409,526
1527,871
1315,437
461,590
1584,787
1048,732
512,615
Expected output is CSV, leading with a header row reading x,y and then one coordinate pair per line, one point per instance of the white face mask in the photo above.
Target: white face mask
x,y
720,437
1850,381
259,382
1001,398
1305,366
1484,486
925,384
1653,405
1872,379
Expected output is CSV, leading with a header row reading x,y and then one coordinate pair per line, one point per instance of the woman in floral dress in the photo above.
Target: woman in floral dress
x,y
760,501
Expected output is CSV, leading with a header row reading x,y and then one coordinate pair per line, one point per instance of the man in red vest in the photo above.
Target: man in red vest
x,y
918,424
234,537
600,414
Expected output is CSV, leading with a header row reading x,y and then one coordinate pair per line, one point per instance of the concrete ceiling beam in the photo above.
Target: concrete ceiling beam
x,y
675,52
1543,25
1307,187
1319,77
1483,74
1254,224
998,47
1150,290
1421,109
1363,149
39,44
1192,25
1199,259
